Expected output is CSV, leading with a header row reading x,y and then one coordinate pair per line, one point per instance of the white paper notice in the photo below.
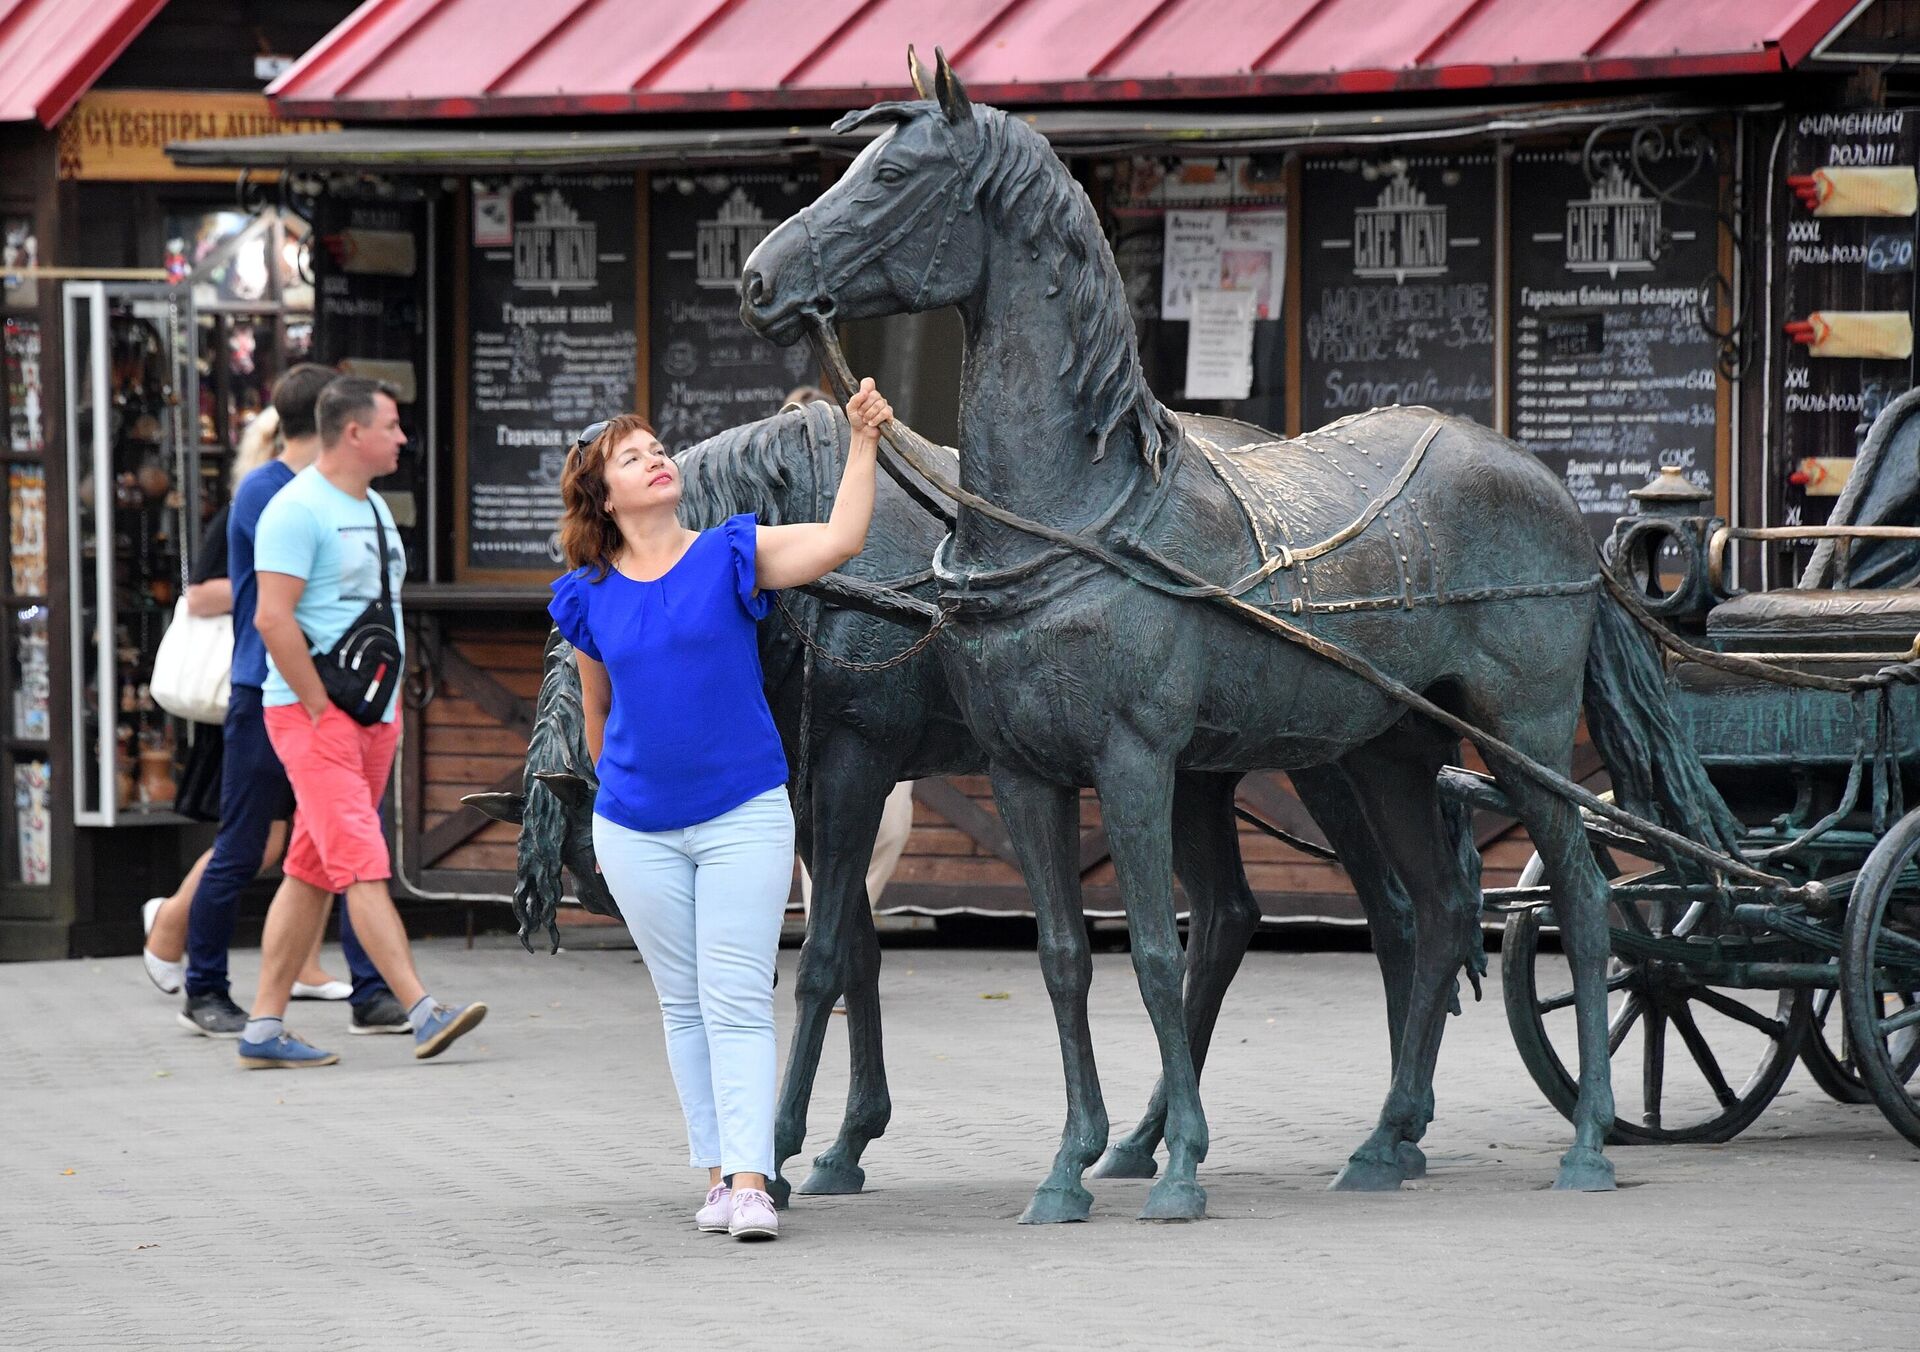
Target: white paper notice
x,y
1253,257
1220,345
1191,259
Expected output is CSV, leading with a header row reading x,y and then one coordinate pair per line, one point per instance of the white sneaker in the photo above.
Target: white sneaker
x,y
331,990
753,1216
714,1217
168,976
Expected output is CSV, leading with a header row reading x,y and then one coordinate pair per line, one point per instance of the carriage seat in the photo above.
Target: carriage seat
x,y
1814,620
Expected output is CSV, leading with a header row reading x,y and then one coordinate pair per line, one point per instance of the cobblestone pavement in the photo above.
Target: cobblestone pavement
x,y
526,1192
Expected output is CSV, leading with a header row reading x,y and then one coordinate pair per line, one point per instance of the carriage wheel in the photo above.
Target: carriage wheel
x,y
1676,1030
1880,975
1828,1051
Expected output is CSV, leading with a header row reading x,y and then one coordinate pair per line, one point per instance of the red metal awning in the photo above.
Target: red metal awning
x,y
491,58
51,51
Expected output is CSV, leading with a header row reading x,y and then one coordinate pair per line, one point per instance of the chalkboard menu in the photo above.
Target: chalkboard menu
x,y
1613,370
707,370
551,301
1848,238
1396,262
368,259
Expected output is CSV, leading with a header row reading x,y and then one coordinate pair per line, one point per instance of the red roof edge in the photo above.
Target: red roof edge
x,y
1799,35
64,91
1766,60
344,37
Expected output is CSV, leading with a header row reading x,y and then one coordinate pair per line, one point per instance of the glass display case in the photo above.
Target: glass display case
x,y
26,745
128,367
163,380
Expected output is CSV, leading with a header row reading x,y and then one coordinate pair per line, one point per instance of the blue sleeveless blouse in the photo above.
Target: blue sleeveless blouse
x,y
689,735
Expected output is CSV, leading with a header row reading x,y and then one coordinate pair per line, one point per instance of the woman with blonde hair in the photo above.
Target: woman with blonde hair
x,y
258,444
692,825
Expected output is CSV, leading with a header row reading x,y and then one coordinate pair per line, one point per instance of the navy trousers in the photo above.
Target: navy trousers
x,y
254,794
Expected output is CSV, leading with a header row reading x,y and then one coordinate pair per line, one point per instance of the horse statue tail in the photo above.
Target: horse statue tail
x,y
1656,772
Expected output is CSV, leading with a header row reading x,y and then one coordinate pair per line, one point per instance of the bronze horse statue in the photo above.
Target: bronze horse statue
x,y
857,733
1440,554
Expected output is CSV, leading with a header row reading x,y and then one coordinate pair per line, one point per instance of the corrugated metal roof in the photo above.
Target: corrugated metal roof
x,y
489,58
51,51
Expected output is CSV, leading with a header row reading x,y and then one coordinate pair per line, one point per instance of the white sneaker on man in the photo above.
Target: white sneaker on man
x,y
168,976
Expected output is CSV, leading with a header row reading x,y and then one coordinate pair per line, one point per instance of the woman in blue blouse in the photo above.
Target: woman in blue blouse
x,y
692,826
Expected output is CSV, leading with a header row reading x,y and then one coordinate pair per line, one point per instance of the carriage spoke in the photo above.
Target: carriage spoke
x,y
1623,1022
1618,981
1653,1066
1703,1056
1553,1002
1738,1012
1906,1018
1630,913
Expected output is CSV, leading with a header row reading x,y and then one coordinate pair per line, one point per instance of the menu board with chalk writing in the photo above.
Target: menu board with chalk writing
x,y
1612,363
551,348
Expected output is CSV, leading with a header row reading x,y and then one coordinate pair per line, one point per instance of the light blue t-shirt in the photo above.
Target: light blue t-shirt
x,y
315,531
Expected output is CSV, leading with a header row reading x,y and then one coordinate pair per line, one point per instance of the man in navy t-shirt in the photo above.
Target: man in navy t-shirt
x,y
254,791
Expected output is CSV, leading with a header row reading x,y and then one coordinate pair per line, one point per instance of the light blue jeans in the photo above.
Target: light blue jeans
x,y
704,904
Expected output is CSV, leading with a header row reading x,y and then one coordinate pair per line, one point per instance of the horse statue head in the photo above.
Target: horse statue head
x,y
900,232
959,204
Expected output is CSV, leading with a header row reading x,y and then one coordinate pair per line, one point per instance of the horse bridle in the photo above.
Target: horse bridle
x,y
958,197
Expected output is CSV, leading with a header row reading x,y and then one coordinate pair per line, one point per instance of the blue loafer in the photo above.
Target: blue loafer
x,y
285,1052
444,1025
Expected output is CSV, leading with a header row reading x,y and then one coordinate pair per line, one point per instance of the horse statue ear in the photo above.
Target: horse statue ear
x,y
947,88
502,807
916,72
568,787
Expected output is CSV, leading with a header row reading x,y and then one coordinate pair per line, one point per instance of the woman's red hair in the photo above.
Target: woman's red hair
x,y
589,536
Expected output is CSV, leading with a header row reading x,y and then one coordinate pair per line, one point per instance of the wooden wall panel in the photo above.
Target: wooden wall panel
x,y
466,747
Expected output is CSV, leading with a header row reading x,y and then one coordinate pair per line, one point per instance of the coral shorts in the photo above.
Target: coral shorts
x,y
339,771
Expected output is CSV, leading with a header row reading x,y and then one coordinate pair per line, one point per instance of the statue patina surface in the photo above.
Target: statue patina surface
x,y
1471,582
867,731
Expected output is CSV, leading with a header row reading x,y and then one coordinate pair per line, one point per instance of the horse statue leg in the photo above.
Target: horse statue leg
x,y
841,954
1206,859
1043,820
1135,784
1581,901
1393,779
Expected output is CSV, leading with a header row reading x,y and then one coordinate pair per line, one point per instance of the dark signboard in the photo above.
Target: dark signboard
x,y
1397,286
1846,213
1612,365
551,291
707,370
369,256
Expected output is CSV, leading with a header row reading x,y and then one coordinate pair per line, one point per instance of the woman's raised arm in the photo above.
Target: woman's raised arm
x,y
789,556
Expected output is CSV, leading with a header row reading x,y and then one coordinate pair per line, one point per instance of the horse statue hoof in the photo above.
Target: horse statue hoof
x,y
1171,1200
833,1178
780,1190
1368,1173
1584,1170
1413,1160
1125,1161
1057,1206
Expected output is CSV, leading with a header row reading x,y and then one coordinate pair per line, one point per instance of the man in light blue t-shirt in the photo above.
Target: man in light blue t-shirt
x,y
317,560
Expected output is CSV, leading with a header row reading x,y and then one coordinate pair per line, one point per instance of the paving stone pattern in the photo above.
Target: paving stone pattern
x,y
526,1191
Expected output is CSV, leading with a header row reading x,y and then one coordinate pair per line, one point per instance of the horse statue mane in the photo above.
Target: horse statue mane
x,y
1023,189
554,805
752,468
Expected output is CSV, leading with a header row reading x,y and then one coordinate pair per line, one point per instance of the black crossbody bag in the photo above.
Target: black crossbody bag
x,y
362,669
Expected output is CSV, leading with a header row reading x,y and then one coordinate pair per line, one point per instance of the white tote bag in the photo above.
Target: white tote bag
x,y
194,667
